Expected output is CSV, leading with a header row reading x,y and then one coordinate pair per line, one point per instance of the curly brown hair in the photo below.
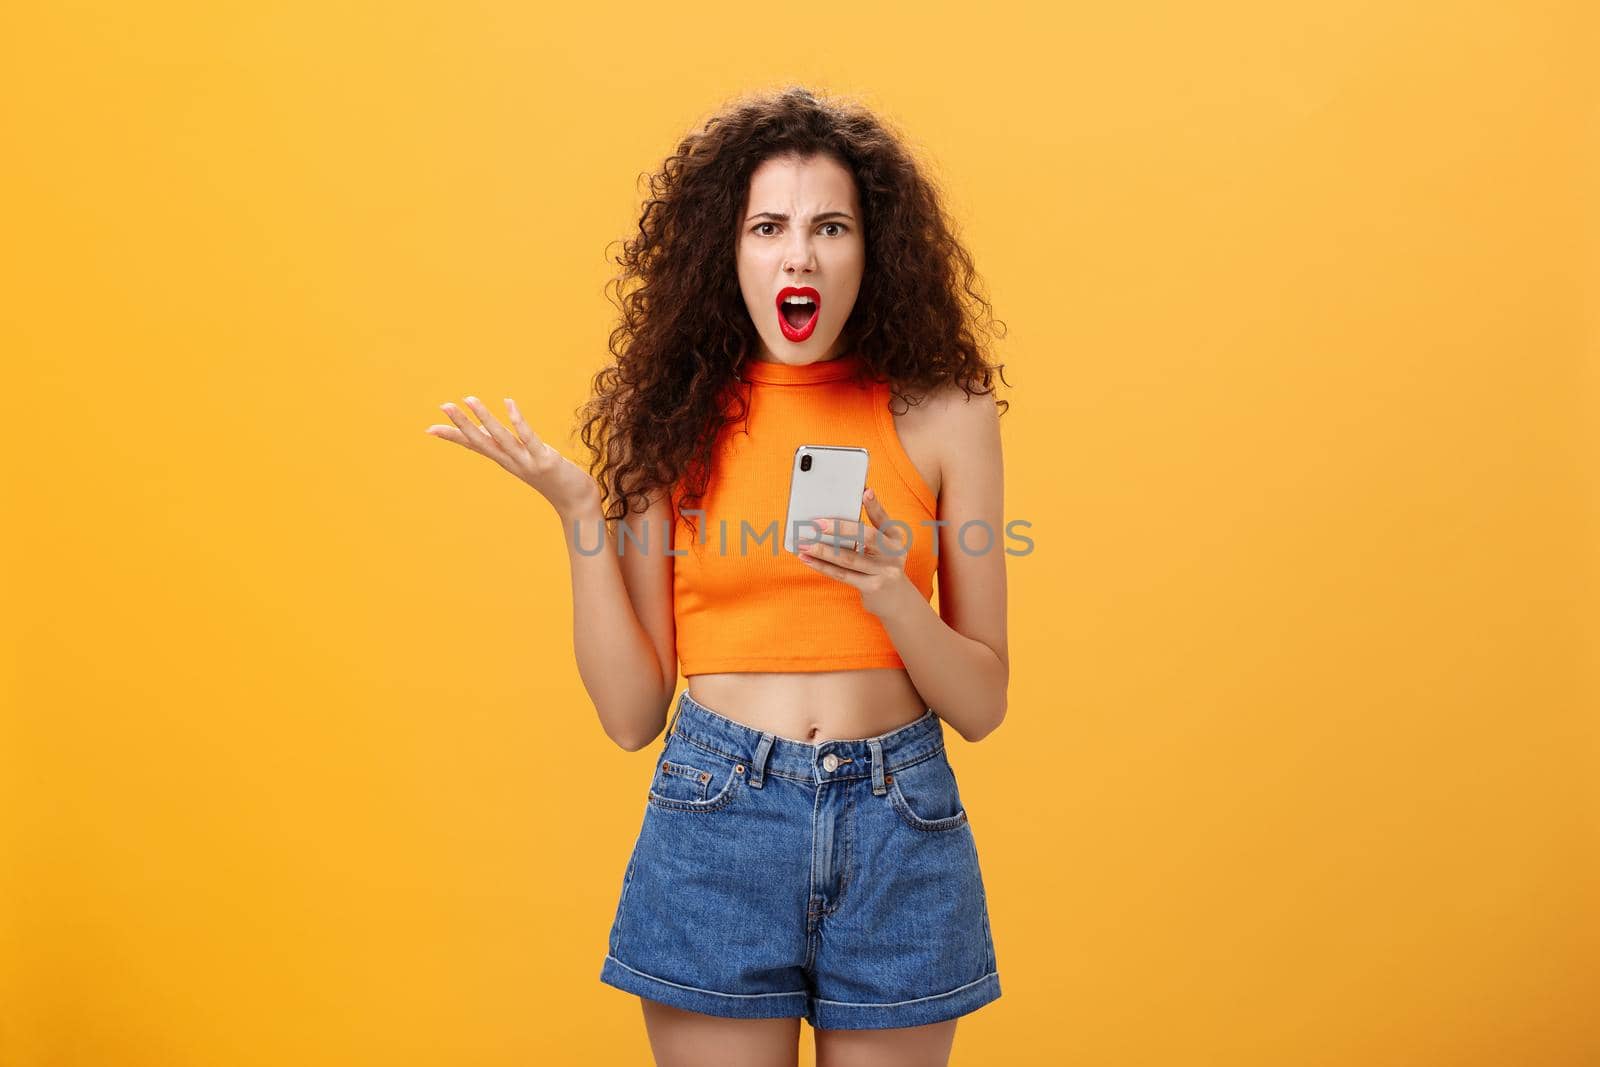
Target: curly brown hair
x,y
918,320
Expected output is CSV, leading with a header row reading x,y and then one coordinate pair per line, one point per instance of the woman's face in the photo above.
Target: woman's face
x,y
801,229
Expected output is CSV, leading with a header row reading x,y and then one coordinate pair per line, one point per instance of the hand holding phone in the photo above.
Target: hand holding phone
x,y
825,482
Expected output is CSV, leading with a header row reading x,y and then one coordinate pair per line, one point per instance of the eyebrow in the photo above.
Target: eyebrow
x,y
779,216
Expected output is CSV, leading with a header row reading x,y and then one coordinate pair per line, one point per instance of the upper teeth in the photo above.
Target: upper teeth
x,y
792,299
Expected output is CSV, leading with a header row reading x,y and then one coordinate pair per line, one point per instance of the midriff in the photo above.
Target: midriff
x,y
813,706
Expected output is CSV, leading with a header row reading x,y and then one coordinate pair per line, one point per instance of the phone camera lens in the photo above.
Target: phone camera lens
x,y
805,461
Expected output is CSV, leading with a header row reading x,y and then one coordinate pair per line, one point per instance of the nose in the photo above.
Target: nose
x,y
799,256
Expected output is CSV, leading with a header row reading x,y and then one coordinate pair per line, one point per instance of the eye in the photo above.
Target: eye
x,y
843,229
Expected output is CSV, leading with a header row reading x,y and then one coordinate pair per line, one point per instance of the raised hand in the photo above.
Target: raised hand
x,y
569,488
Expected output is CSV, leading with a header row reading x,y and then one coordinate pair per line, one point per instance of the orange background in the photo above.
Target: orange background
x,y
1300,765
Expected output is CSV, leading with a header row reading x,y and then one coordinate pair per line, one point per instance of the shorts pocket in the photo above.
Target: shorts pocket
x,y
926,796
688,778
680,781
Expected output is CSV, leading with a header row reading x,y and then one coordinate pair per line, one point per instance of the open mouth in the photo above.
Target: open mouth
x,y
799,307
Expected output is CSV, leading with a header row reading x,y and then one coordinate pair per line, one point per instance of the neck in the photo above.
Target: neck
x,y
773,372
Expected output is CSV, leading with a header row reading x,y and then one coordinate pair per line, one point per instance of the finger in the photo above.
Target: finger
x,y
847,533
472,434
845,558
869,535
529,438
502,436
879,516
832,570
447,433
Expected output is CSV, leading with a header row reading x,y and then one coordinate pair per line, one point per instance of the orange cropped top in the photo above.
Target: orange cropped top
x,y
740,600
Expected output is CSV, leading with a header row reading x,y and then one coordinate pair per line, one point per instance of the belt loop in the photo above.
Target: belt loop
x,y
759,762
677,709
876,748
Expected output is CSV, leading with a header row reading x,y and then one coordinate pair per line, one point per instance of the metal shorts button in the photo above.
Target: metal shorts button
x,y
830,762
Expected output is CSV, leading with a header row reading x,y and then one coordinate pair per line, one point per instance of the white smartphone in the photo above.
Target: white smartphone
x,y
825,482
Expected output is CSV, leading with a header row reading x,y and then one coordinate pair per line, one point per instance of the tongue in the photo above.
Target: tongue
x,y
797,315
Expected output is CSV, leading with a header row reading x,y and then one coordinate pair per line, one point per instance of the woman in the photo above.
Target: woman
x,y
805,851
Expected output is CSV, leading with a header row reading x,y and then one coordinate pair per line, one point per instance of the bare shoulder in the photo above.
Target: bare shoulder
x,y
941,425
953,408
967,429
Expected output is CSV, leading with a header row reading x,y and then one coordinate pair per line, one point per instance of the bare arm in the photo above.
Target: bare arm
x,y
622,624
958,659
623,631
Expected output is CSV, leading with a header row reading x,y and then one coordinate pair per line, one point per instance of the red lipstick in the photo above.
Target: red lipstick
x,y
801,332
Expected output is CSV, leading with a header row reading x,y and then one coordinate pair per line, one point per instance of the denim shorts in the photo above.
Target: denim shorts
x,y
836,881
